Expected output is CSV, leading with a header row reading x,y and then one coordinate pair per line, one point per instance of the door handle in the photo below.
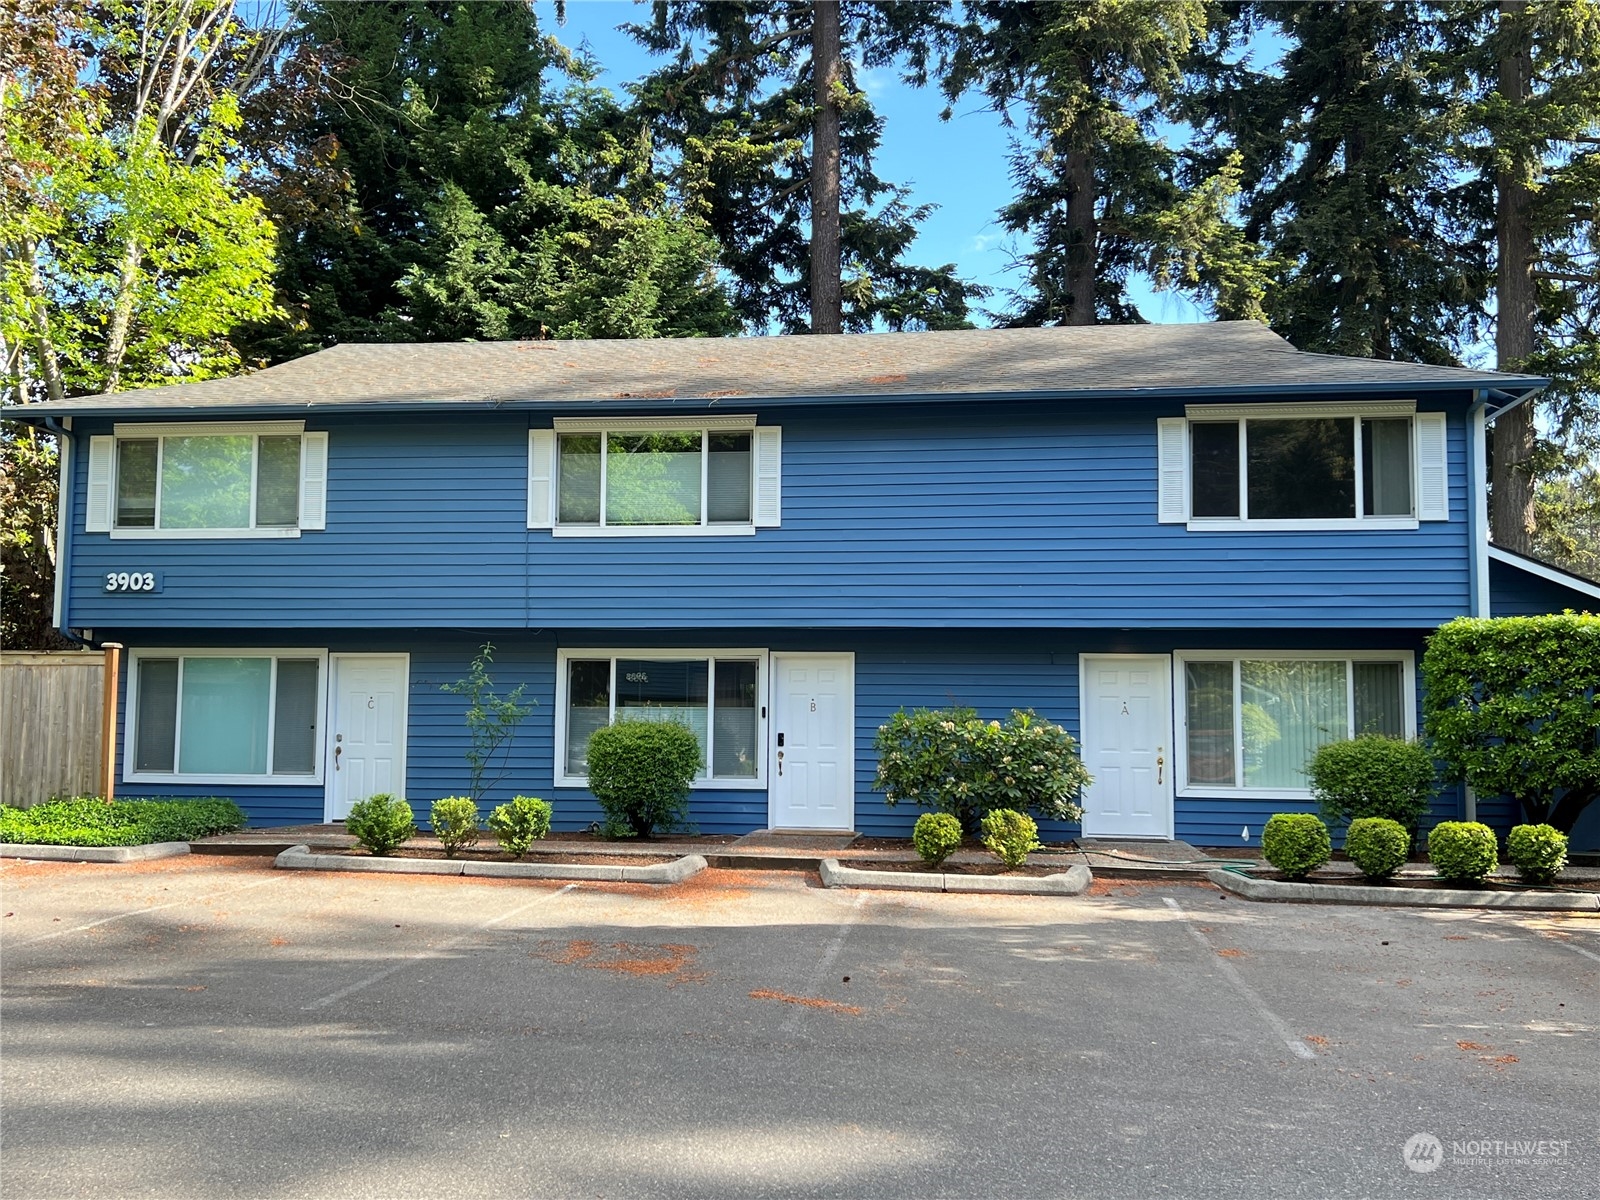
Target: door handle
x,y
337,750
1160,764
780,762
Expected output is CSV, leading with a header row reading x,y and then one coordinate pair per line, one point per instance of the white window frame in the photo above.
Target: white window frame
x,y
704,426
130,774
1180,692
1223,413
755,783
256,430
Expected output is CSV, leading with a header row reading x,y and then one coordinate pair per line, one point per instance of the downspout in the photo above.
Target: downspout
x,y
1478,532
64,452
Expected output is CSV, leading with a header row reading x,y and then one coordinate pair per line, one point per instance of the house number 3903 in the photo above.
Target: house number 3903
x,y
130,581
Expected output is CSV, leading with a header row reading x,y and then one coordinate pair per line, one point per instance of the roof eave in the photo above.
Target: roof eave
x,y
1522,389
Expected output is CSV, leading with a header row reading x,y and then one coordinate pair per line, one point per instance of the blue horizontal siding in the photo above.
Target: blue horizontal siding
x,y
992,671
1003,515
1517,593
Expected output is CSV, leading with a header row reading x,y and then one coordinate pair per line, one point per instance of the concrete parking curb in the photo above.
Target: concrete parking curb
x,y
1394,897
1071,882
300,858
94,854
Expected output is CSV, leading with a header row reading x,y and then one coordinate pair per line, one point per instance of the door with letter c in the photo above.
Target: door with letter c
x,y
366,750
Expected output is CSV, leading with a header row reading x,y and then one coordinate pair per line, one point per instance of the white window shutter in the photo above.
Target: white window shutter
x,y
541,478
1433,469
313,481
769,476
1172,469
97,513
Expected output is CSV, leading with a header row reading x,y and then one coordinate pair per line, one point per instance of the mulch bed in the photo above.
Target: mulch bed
x,y
596,858
904,844
1437,885
1035,870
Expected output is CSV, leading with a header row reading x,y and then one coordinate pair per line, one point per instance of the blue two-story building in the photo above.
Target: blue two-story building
x,y
1203,551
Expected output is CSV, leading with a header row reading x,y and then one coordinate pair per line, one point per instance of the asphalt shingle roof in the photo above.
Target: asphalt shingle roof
x,y
1101,360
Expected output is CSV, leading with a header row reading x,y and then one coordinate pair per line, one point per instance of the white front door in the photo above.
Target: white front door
x,y
1126,706
813,762
366,729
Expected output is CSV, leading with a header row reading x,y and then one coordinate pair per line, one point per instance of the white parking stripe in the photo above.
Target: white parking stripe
x,y
1231,974
792,1025
153,908
380,976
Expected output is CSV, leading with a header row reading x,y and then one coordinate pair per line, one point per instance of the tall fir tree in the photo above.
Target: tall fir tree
x,y
760,120
485,190
1100,193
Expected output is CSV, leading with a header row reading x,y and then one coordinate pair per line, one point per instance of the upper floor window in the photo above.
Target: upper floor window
x,y
653,476
219,480
1306,467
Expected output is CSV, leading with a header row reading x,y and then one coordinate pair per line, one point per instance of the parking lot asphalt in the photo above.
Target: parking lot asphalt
x,y
207,1027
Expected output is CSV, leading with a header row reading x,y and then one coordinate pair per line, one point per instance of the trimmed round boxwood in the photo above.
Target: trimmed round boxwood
x,y
1463,851
518,825
1538,852
1372,776
381,823
455,823
640,772
936,836
1377,846
1010,836
1296,843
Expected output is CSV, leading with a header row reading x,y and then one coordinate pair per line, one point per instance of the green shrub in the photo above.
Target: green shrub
x,y
640,772
954,762
1373,776
1538,852
492,721
1464,851
455,823
1377,846
91,821
518,825
380,823
1010,836
936,837
1510,706
1296,843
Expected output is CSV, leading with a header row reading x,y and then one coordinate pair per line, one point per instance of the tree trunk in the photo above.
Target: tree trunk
x,y
1511,518
1083,253
122,314
44,348
827,303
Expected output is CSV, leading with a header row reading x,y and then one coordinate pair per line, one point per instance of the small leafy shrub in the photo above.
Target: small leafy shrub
x,y
1010,836
492,721
1373,776
518,825
936,836
1538,852
1464,851
91,821
1377,846
952,761
640,772
1296,843
455,823
380,823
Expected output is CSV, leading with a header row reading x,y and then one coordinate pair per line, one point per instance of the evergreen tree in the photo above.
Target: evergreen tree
x,y
478,199
1100,195
759,93
1347,179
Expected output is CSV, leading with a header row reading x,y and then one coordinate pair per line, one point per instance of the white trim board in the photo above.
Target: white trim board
x,y
1555,575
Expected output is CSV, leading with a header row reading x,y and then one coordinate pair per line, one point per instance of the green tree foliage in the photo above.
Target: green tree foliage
x,y
472,183
1345,175
1100,195
1511,706
736,113
1567,521
492,721
27,539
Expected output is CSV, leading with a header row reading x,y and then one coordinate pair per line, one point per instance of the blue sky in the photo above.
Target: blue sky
x,y
959,165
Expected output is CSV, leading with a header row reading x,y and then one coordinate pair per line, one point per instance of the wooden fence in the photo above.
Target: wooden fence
x,y
51,716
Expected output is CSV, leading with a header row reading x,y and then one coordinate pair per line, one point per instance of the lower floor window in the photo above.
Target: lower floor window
x,y
715,695
226,715
1254,722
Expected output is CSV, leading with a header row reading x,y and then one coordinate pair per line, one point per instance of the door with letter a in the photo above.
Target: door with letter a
x,y
1126,706
812,756
366,751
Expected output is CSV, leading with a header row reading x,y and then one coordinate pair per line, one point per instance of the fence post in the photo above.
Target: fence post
x,y
108,721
